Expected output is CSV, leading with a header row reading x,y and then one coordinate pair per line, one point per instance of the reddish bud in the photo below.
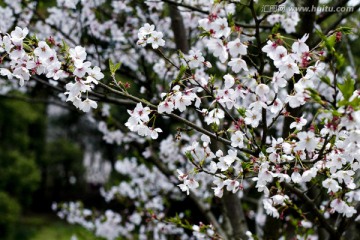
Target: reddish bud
x,y
127,85
338,36
51,40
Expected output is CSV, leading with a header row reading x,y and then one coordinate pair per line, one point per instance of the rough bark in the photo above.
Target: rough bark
x,y
178,27
235,215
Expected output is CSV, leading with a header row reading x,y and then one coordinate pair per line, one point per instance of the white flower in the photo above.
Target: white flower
x,y
237,64
156,40
195,58
17,52
276,106
140,113
68,3
300,46
78,53
309,174
22,74
95,75
213,168
331,185
74,89
229,81
230,158
306,224
232,185
237,48
299,123
188,184
315,71
147,29
184,188
221,28
81,68
296,100
278,81
338,205
214,116
7,44
349,211
87,104
270,49
307,141
344,176
206,140
54,71
218,190
166,106
262,90
181,175
296,177
279,199
182,100
237,139
289,68
279,55
43,50
216,46
192,183
270,210
154,133
18,35
252,118
6,72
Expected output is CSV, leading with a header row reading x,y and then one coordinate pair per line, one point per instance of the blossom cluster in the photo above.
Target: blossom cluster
x,y
148,35
138,122
38,58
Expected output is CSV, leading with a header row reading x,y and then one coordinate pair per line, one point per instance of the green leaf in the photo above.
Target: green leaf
x,y
355,103
27,47
114,68
315,95
330,42
231,20
340,61
241,111
326,79
204,33
189,156
345,30
275,29
65,47
180,75
347,88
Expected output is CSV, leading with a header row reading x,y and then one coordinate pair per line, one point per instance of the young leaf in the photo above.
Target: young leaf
x,y
180,75
114,67
347,88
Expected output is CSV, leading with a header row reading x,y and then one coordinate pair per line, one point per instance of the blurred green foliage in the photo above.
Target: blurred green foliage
x,y
19,174
34,170
46,227
10,212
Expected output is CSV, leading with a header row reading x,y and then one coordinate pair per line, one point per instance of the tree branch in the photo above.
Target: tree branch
x,y
307,201
174,116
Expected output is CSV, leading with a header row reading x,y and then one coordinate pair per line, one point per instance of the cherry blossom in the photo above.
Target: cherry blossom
x,y
237,139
